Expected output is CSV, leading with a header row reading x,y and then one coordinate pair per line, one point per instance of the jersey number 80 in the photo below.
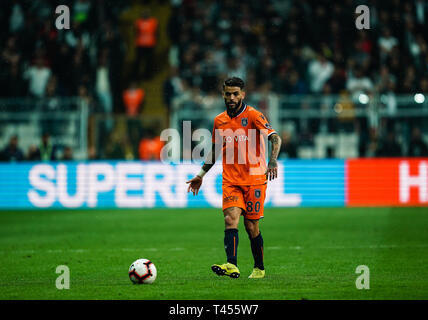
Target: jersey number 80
x,y
250,207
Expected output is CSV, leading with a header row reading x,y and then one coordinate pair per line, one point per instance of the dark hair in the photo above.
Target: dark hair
x,y
234,82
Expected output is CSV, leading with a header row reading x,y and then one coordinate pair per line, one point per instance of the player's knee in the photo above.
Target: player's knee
x,y
252,232
231,217
252,229
230,221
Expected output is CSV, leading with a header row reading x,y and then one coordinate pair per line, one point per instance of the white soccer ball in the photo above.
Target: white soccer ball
x,y
142,271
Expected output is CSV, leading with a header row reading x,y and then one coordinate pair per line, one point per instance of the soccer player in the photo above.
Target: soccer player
x,y
240,131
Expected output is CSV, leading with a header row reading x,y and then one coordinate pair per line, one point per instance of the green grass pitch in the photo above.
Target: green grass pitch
x,y
310,253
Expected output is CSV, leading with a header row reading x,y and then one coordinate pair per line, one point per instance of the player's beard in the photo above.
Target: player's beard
x,y
233,109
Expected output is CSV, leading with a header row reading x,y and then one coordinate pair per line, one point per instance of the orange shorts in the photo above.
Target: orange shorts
x,y
250,199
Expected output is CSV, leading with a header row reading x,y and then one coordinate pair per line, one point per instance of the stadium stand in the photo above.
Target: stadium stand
x,y
375,71
334,89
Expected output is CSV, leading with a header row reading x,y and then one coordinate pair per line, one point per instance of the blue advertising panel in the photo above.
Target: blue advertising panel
x,y
128,184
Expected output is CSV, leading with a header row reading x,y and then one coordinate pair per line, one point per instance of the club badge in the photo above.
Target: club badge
x,y
257,193
244,122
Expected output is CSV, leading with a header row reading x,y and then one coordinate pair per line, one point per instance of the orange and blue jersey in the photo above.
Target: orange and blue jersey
x,y
243,145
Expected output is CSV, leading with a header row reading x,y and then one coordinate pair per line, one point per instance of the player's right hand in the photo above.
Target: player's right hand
x,y
195,185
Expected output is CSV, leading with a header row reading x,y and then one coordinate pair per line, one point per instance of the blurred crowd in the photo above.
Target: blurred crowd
x,y
305,47
38,60
299,47
44,63
277,46
44,151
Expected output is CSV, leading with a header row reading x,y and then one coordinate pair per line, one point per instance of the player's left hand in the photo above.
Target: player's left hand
x,y
272,170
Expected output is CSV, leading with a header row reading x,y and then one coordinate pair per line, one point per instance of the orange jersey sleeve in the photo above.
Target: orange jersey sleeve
x,y
261,123
243,146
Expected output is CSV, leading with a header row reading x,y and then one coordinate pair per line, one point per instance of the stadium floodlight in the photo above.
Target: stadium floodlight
x,y
419,98
363,98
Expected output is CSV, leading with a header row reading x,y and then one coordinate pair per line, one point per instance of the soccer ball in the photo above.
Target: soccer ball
x,y
142,271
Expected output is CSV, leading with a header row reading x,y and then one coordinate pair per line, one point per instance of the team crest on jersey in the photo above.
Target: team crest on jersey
x,y
257,193
244,122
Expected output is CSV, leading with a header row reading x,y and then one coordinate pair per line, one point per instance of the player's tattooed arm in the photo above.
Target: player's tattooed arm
x,y
276,146
272,170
